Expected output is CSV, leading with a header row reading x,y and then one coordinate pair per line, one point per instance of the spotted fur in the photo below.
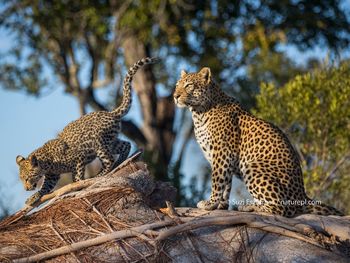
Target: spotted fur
x,y
237,143
80,142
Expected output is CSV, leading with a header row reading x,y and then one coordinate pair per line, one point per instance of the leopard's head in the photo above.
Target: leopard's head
x,y
29,171
194,90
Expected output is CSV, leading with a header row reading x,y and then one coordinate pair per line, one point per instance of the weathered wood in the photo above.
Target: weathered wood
x,y
115,219
132,232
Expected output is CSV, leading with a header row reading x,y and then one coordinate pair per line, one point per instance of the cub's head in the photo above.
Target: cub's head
x,y
29,171
194,90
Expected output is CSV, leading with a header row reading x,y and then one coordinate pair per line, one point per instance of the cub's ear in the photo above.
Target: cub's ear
x,y
183,73
206,74
19,159
34,161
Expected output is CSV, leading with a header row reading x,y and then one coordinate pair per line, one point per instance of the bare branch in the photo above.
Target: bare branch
x,y
73,70
191,223
112,47
173,214
186,6
94,60
63,240
250,220
91,100
65,76
102,83
187,136
132,232
332,174
133,132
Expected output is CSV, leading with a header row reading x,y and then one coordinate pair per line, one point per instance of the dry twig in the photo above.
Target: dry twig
x,y
93,242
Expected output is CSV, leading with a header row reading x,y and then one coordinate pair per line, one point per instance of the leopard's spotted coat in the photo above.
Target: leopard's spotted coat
x,y
237,143
80,142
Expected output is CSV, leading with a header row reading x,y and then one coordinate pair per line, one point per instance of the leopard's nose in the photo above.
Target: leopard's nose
x,y
176,96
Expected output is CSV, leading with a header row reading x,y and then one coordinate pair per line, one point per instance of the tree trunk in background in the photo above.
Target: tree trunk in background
x,y
157,113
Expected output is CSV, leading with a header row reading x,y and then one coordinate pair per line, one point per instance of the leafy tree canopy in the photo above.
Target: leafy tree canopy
x,y
225,35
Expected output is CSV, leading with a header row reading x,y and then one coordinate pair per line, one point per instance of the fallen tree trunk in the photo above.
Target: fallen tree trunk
x,y
116,218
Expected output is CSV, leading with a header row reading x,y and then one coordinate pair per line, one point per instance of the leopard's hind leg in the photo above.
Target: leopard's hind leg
x,y
272,189
106,158
122,149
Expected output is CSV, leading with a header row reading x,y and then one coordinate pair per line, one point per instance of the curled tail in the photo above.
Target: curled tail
x,y
126,102
318,208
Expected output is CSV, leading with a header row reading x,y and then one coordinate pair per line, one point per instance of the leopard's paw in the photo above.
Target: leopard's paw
x,y
248,208
207,205
33,199
223,205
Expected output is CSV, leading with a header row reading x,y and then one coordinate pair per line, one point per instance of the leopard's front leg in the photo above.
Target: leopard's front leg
x,y
49,183
221,179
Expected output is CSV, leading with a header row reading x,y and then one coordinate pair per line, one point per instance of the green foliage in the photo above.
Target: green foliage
x,y
224,35
264,63
48,33
14,77
314,109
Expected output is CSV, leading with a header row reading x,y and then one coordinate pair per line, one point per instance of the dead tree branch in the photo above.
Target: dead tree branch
x,y
115,217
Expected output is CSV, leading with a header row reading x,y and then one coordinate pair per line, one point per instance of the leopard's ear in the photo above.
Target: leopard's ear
x,y
205,74
34,161
19,159
183,73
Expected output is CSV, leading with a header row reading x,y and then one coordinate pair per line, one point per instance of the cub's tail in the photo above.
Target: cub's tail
x,y
126,102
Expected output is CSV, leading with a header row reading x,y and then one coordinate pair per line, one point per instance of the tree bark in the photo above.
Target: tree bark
x,y
158,113
144,85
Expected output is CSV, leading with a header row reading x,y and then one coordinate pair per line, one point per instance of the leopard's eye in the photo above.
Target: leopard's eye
x,y
189,87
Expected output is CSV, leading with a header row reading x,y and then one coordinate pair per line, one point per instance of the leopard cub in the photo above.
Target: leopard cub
x,y
236,143
80,142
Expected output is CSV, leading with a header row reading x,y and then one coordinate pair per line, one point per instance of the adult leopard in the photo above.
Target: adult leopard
x,y
237,143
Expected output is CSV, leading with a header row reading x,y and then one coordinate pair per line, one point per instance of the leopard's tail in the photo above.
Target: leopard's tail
x,y
124,107
314,207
